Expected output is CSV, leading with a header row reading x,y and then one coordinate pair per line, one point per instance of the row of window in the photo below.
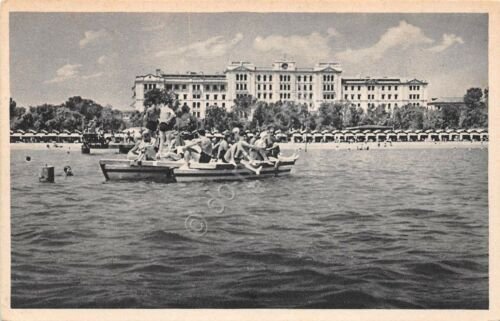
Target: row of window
x,y
304,78
371,96
285,96
371,88
241,86
329,96
388,105
284,86
415,96
414,87
264,95
310,95
264,87
149,86
284,77
198,96
264,78
304,87
241,77
195,87
328,87
328,77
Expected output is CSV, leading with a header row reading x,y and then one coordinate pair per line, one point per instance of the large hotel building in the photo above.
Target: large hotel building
x,y
283,81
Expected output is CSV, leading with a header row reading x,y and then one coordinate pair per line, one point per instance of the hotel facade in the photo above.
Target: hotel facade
x,y
283,81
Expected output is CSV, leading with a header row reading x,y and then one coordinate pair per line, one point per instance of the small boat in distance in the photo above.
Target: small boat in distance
x,y
176,171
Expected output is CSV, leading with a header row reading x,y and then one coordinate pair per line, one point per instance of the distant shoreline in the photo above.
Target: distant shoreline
x,y
395,145
290,146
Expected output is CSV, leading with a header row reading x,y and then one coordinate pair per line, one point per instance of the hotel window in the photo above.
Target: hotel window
x,y
264,86
222,87
169,87
270,77
176,87
389,96
396,88
258,95
300,96
258,87
298,78
352,87
237,77
270,95
270,87
383,87
389,105
310,87
215,97
359,96
223,104
345,96
310,96
265,95
185,96
359,87
345,87
388,87
245,86
264,77
359,105
396,96
176,96
258,77
207,104
383,96
207,97
183,87
223,97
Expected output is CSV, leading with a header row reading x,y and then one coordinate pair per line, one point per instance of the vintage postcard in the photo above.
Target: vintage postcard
x,y
289,160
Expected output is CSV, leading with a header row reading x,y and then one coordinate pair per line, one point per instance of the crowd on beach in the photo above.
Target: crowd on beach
x,y
160,141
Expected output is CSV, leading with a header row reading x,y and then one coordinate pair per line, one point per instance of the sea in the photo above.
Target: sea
x,y
379,228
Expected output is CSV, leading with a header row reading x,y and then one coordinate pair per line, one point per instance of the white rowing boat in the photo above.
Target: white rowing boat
x,y
176,171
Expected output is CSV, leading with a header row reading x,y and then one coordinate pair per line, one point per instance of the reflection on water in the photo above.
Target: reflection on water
x,y
350,229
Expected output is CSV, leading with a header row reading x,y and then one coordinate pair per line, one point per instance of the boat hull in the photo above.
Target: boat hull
x,y
174,172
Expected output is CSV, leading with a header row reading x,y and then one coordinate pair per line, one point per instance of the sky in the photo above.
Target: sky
x,y
54,56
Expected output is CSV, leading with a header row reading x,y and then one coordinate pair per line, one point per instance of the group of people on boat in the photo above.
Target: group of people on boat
x,y
160,141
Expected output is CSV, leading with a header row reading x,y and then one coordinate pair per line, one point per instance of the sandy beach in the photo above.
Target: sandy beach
x,y
289,146
394,145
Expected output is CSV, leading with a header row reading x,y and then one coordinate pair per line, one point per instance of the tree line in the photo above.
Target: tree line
x,y
249,113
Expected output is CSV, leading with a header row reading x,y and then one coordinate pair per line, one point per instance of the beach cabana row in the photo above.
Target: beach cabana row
x,y
43,136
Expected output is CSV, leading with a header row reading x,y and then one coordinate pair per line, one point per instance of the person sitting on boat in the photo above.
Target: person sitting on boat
x,y
199,149
239,152
222,147
261,143
143,149
167,121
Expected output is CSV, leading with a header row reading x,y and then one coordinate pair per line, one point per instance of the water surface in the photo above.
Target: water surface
x,y
350,229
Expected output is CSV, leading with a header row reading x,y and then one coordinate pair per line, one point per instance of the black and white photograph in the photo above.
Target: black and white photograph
x,y
248,160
